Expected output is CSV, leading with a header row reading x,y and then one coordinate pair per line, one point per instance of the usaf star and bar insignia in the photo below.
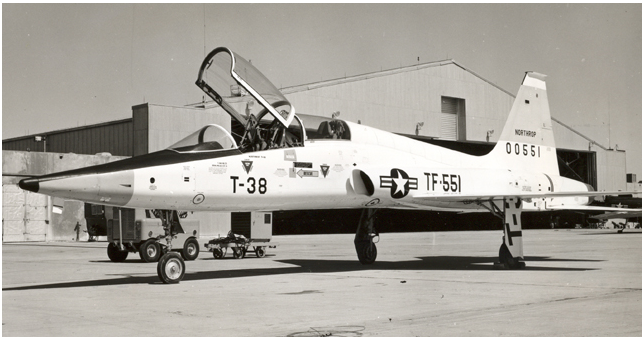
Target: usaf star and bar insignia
x,y
399,183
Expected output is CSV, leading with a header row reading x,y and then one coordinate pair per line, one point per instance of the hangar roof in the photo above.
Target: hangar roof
x,y
305,87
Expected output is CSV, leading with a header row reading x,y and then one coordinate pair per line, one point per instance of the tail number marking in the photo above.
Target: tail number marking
x,y
254,185
523,149
448,182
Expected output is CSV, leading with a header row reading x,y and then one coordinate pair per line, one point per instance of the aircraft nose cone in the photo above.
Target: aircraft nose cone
x,y
30,184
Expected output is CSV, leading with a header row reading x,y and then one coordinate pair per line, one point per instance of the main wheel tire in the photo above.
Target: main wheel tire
x,y
366,252
115,254
217,253
150,251
190,249
505,257
171,268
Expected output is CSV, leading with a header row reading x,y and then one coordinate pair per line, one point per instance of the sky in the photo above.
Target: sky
x,y
69,65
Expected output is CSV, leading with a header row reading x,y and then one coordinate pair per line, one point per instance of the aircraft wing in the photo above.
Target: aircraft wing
x,y
598,209
617,215
420,199
504,195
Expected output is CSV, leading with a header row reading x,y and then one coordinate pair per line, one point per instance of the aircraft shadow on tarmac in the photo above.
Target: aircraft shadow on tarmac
x,y
615,232
439,263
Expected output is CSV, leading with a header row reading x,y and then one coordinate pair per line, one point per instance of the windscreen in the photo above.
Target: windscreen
x,y
208,138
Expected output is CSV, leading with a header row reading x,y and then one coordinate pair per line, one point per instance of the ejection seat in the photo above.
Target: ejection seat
x,y
324,131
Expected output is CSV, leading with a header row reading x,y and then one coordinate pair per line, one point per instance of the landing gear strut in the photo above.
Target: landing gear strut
x,y
510,254
364,244
171,266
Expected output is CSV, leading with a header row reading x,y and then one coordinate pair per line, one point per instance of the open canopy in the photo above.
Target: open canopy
x,y
230,79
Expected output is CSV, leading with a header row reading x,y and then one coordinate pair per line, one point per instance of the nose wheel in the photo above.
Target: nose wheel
x,y
171,268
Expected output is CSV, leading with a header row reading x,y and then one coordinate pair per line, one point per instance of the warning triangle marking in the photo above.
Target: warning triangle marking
x,y
247,165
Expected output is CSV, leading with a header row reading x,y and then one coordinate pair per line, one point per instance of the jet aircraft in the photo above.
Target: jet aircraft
x,y
281,160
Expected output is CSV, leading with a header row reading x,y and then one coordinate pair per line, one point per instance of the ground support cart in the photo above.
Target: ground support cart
x,y
139,230
239,244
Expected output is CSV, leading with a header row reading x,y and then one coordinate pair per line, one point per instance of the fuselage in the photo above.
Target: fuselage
x,y
374,169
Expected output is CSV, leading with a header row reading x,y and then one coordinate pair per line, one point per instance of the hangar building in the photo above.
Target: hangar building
x,y
439,102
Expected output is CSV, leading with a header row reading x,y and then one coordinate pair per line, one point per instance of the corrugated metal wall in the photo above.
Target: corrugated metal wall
x,y
611,170
397,101
113,137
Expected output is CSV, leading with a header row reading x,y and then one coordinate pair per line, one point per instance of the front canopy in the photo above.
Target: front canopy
x,y
230,79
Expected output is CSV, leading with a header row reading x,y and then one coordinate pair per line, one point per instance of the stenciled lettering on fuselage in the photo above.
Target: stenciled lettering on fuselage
x,y
399,183
251,185
445,182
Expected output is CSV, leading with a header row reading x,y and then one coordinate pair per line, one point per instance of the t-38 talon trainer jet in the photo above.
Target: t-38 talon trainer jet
x,y
284,161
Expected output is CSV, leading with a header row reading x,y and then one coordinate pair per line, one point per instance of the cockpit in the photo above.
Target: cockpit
x,y
320,128
262,118
269,134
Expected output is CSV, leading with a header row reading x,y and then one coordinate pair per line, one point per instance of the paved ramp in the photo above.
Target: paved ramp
x,y
577,283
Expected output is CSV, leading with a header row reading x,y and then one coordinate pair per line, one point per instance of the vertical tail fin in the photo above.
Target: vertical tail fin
x,y
527,140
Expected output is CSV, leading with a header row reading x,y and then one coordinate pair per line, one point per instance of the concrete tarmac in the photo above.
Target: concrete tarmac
x,y
577,283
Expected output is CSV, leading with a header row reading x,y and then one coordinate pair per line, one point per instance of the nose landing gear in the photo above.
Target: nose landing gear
x,y
171,266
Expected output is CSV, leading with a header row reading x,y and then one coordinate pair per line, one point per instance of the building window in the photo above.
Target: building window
x,y
452,119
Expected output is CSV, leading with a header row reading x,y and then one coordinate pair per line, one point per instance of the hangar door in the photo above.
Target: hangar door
x,y
578,165
452,119
23,215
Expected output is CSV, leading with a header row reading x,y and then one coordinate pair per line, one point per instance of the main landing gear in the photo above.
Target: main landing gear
x,y
364,237
171,266
510,255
